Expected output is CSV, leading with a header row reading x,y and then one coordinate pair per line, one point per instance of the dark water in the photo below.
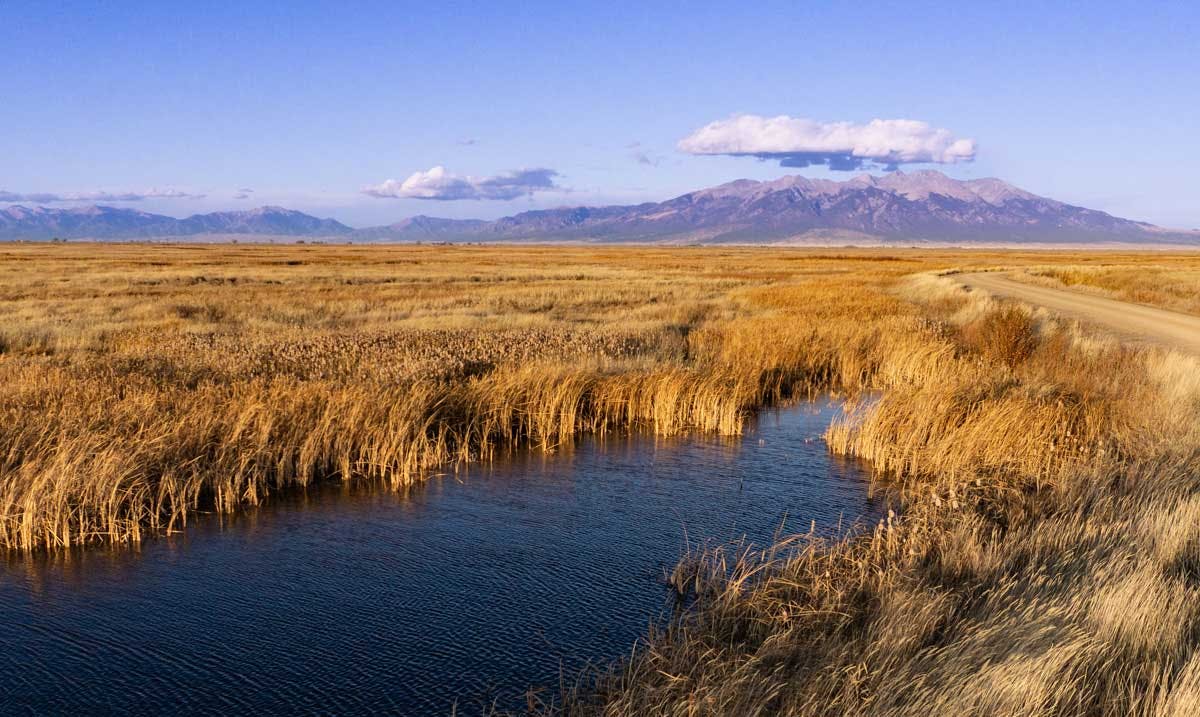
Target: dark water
x,y
471,588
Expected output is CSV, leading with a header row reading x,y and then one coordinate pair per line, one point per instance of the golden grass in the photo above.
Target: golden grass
x,y
1045,560
143,383
1171,283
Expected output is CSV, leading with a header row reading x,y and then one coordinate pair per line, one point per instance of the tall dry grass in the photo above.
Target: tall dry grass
x,y
1045,562
1173,282
143,384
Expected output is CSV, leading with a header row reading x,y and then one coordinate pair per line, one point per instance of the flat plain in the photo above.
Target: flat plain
x,y
1045,558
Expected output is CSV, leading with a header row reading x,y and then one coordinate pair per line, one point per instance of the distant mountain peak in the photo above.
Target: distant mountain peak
x,y
920,206
103,222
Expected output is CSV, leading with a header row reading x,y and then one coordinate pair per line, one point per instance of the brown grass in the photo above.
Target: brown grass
x,y
1045,560
145,383
1044,564
1169,284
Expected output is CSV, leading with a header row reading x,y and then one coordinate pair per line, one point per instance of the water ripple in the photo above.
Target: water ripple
x,y
472,587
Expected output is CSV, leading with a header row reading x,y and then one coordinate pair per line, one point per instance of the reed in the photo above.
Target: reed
x,y
138,392
1045,558
1044,562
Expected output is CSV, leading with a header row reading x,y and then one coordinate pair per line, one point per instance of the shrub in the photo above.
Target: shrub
x,y
1006,335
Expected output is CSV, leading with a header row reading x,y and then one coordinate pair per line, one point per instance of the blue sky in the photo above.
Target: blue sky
x,y
307,104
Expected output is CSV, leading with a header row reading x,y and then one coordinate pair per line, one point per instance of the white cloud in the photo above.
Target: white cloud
x,y
437,183
50,197
799,142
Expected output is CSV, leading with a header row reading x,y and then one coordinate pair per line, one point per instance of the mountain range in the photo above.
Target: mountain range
x,y
918,207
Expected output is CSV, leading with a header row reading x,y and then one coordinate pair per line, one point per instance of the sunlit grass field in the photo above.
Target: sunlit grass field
x,y
1045,557
1173,282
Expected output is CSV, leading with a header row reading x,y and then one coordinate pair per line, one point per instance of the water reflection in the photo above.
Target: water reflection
x,y
470,587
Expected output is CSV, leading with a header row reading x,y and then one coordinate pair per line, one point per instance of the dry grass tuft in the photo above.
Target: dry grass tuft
x,y
1143,611
1006,336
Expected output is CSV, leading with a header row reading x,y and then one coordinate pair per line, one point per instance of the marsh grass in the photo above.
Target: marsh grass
x,y
143,384
1043,564
1045,560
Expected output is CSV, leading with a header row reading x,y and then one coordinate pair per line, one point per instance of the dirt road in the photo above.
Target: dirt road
x,y
1130,321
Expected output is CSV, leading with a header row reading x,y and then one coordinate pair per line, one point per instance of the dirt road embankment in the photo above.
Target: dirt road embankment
x,y
1131,321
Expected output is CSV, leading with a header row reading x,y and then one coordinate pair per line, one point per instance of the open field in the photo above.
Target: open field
x,y
1173,282
1046,559
1128,321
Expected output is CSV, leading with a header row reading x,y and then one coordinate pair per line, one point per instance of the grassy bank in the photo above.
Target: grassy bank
x,y
1045,561
144,383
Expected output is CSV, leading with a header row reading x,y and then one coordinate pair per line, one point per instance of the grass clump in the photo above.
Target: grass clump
x,y
1006,335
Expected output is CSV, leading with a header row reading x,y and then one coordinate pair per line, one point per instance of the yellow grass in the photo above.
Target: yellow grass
x,y
1044,560
1173,282
143,383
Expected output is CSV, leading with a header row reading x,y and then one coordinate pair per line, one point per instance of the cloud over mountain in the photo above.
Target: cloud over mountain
x,y
896,208
799,142
437,183
52,198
